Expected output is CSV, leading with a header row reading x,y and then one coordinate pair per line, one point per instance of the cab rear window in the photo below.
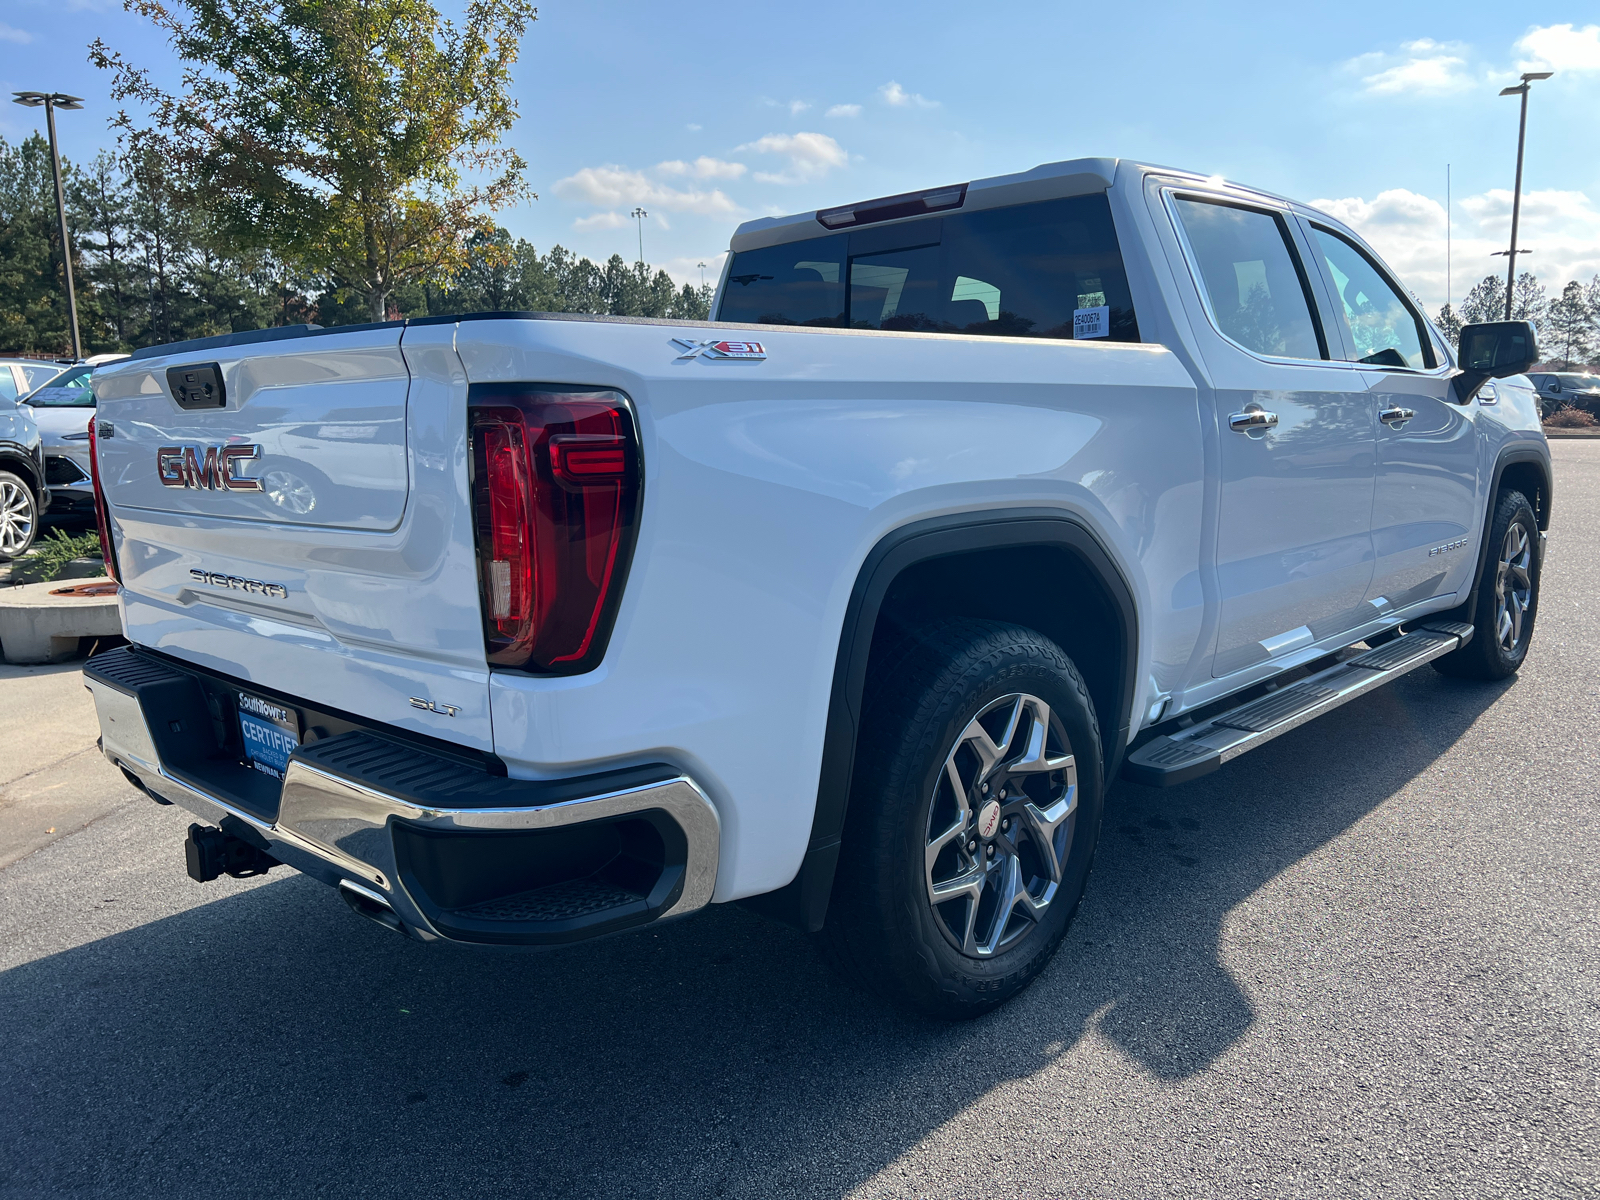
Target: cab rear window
x,y
1051,269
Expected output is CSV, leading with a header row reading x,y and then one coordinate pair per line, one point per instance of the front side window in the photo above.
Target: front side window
x,y
1052,269
8,384
1382,329
1252,278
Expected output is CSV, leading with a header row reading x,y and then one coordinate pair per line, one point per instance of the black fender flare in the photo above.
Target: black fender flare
x,y
1509,456
804,901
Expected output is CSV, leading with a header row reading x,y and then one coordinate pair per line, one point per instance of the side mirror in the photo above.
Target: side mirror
x,y
1493,350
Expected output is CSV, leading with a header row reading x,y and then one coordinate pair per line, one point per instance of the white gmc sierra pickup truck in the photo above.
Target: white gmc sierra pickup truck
x,y
521,628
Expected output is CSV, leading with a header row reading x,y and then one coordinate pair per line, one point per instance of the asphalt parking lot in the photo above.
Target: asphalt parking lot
x,y
1361,961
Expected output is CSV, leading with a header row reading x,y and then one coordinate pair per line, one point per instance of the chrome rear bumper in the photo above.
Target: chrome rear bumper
x,y
384,819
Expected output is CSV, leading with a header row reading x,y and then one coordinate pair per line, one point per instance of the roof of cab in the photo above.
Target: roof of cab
x,y
1048,181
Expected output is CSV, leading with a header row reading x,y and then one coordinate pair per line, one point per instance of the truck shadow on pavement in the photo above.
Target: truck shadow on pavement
x,y
268,1043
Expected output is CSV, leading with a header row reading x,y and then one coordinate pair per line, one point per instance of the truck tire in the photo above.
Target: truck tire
x,y
19,516
978,779
1508,596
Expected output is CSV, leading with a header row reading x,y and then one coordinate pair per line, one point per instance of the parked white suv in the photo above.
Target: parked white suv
x,y
520,628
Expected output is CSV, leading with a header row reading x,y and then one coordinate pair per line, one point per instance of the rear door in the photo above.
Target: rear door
x,y
1296,430
1425,502
293,513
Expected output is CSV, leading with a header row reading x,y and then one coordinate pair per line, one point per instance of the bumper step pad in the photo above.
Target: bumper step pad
x,y
1169,760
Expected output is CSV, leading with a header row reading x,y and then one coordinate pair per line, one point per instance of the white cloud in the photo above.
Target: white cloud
x,y
1562,228
897,96
21,36
1426,66
703,167
605,220
810,155
614,187
845,110
795,107
692,128
1561,48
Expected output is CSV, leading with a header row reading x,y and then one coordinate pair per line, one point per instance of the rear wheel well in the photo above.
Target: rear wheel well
x,y
1046,588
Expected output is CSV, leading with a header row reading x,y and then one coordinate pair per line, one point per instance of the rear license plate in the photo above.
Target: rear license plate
x,y
270,733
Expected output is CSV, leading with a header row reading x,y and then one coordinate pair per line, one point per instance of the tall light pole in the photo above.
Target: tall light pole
x,y
639,215
1516,196
51,102
702,277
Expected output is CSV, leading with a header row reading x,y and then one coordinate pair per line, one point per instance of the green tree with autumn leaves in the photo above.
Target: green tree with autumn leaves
x,y
355,140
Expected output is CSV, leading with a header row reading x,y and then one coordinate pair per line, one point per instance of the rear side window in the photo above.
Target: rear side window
x,y
1384,330
1051,269
797,283
1252,279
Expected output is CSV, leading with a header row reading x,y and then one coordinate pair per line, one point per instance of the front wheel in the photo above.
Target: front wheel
x,y
1508,596
973,818
19,516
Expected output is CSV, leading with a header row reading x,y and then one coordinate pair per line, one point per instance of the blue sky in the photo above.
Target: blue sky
x,y
708,114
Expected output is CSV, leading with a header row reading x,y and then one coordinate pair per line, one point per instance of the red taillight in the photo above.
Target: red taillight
x,y
102,514
555,492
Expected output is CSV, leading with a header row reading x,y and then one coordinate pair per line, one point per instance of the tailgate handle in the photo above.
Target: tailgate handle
x,y
196,386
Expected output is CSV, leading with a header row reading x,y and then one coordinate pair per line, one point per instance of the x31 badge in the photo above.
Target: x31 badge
x,y
713,348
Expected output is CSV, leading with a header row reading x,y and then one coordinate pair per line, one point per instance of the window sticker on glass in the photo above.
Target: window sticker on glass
x,y
1091,322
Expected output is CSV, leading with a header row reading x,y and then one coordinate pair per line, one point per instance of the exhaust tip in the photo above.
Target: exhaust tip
x,y
372,905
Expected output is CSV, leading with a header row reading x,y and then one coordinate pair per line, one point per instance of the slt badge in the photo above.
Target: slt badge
x,y
713,348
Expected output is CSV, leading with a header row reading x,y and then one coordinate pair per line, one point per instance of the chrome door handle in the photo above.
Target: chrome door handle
x,y
1253,422
1396,417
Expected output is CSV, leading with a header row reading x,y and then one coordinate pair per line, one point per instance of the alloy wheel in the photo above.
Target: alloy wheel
x,y
1513,586
1000,825
16,518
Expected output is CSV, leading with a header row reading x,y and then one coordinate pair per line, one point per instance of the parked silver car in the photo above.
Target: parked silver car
x,y
19,376
63,408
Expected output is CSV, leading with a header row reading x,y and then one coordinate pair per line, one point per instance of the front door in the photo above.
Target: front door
x,y
1425,504
1297,434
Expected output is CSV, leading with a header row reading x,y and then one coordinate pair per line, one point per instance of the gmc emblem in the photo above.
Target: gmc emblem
x,y
185,467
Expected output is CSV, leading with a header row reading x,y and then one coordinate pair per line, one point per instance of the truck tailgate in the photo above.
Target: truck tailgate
x,y
312,532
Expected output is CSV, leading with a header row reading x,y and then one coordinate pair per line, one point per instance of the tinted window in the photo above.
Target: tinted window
x,y
1382,327
1251,278
8,384
797,283
1051,269
68,390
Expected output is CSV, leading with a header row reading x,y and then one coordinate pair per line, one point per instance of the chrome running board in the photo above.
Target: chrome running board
x,y
1202,748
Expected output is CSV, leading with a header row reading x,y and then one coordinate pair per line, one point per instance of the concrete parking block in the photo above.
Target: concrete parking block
x,y
42,622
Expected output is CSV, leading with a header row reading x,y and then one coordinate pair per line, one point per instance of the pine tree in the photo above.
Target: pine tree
x,y
1449,324
103,197
1528,300
1567,330
1485,302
